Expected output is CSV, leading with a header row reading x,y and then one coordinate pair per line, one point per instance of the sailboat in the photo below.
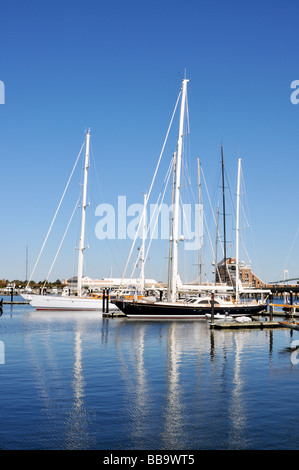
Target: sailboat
x,y
80,301
221,300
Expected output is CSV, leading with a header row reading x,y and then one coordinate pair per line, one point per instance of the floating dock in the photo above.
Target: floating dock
x,y
226,325
113,313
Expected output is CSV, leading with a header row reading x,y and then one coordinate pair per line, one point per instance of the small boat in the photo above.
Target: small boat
x,y
291,325
291,308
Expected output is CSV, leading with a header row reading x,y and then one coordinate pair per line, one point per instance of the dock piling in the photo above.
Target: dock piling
x,y
271,306
105,303
107,300
212,309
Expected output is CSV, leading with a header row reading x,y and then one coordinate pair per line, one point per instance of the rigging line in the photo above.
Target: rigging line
x,y
211,207
207,229
47,278
187,176
246,223
251,231
148,228
158,164
242,238
186,267
154,215
244,192
184,218
96,171
187,114
166,179
98,191
62,197
209,238
290,252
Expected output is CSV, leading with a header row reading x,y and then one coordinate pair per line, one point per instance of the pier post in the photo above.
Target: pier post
x,y
212,308
107,300
103,301
291,303
271,307
11,294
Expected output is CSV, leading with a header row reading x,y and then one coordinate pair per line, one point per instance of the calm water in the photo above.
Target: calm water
x,y
77,381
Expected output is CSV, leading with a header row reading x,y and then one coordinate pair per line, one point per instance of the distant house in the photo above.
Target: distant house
x,y
247,277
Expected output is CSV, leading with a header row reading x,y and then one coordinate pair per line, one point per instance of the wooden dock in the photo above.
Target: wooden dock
x,y
241,325
113,314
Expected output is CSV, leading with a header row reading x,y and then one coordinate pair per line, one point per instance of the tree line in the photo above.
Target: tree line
x,y
21,284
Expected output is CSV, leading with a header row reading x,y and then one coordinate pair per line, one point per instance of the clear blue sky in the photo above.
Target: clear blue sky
x,y
117,67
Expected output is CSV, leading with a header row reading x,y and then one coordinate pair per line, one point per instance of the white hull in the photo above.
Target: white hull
x,y
52,302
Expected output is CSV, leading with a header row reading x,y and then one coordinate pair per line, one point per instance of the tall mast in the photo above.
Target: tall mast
x,y
26,263
199,226
81,243
216,245
224,228
169,289
142,277
177,194
238,230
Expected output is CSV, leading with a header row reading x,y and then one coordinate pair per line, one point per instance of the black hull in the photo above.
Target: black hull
x,y
160,311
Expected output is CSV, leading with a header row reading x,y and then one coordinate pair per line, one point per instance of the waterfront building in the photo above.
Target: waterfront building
x,y
111,283
228,270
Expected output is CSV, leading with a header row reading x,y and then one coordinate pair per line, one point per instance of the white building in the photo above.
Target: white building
x,y
106,282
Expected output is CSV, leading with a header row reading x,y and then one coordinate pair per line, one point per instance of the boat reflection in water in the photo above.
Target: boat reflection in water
x,y
117,384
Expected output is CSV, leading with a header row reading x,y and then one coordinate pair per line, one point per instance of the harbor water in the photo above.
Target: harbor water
x,y
79,381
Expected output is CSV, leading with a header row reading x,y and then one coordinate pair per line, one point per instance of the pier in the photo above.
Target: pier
x,y
248,325
113,314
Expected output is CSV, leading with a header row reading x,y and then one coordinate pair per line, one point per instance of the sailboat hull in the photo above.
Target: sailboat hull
x,y
176,311
68,303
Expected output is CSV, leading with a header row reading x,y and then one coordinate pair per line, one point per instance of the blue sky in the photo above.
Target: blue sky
x,y
117,67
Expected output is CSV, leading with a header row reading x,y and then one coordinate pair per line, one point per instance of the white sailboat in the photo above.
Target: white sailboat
x,y
80,301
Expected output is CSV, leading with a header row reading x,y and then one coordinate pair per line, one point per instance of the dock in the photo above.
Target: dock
x,y
113,314
248,325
